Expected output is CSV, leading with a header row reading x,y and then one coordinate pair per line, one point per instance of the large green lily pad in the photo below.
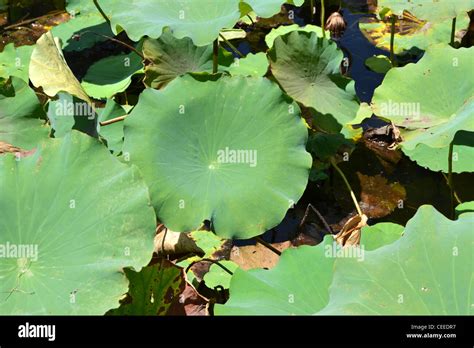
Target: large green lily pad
x,y
83,216
200,20
231,151
307,67
285,29
20,111
428,270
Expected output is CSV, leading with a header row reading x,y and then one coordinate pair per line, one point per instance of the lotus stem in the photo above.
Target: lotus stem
x,y
322,18
113,120
268,245
232,47
453,31
456,197
320,216
311,8
393,20
356,204
209,260
96,3
450,178
215,55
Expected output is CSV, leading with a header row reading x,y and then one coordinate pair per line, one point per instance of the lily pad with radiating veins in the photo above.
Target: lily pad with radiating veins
x,y
308,69
15,61
20,112
427,270
111,75
431,108
89,216
230,150
49,69
411,32
268,8
285,29
171,57
200,20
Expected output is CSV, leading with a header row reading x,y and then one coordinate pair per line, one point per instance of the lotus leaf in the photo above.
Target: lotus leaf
x,y
214,150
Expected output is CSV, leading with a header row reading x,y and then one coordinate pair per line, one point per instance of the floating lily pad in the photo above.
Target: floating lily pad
x,y
250,65
379,64
111,75
81,234
15,61
217,276
20,111
465,208
425,271
307,67
383,233
200,20
214,150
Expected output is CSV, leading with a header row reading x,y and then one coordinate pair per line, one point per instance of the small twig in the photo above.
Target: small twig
x,y
311,5
232,47
215,54
113,120
454,191
334,164
209,260
253,23
323,220
96,3
28,21
268,245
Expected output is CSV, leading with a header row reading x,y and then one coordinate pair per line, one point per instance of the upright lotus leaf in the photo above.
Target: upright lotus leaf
x,y
435,10
111,75
411,32
431,108
72,216
428,271
171,57
285,29
215,149
152,290
49,69
307,67
15,61
267,8
200,20
20,111
436,159
297,285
